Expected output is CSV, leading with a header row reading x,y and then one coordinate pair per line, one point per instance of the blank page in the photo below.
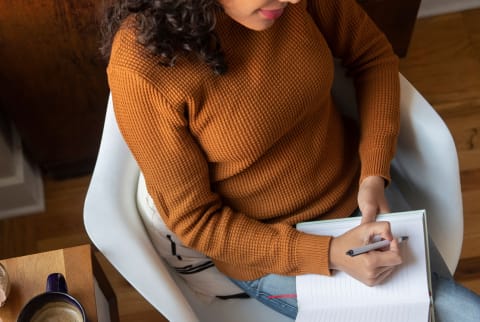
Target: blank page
x,y
404,296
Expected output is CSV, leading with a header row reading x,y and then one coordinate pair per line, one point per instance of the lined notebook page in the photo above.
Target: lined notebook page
x,y
404,296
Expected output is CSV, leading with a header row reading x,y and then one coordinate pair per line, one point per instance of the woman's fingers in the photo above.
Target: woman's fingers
x,y
388,257
371,271
370,268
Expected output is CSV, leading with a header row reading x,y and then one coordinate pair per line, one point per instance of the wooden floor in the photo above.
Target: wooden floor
x,y
443,64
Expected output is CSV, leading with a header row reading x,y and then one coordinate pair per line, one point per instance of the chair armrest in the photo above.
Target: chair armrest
x,y
427,172
114,226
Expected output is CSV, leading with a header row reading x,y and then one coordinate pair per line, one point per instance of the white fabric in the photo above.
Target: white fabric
x,y
195,268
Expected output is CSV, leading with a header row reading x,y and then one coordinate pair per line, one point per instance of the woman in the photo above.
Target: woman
x,y
226,107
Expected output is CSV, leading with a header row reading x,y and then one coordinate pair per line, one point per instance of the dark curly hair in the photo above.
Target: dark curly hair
x,y
168,28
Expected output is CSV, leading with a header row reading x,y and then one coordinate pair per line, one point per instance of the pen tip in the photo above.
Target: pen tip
x,y
404,238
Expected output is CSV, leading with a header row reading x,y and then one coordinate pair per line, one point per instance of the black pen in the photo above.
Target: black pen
x,y
373,246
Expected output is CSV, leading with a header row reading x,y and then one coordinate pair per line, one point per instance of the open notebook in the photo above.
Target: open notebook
x,y
404,296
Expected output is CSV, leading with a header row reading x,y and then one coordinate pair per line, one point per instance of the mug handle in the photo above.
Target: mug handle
x,y
56,283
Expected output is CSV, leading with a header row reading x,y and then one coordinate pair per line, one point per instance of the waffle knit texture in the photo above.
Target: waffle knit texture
x,y
233,162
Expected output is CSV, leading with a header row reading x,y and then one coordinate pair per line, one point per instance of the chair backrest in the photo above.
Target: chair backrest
x,y
425,168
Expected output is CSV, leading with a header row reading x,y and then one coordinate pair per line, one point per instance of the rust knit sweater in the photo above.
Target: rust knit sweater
x,y
233,162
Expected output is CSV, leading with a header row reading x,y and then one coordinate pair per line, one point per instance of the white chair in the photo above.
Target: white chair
x,y
425,171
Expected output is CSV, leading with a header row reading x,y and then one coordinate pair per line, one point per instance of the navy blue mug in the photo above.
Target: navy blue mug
x,y
53,305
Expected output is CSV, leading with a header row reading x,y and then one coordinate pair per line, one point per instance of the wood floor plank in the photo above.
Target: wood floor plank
x,y
473,284
441,62
471,240
17,237
470,180
468,274
471,20
464,124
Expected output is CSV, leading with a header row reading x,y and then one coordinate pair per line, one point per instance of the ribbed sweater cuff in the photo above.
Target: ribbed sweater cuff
x,y
313,254
376,163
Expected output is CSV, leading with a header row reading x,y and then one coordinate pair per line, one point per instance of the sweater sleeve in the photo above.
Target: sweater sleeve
x,y
177,176
366,53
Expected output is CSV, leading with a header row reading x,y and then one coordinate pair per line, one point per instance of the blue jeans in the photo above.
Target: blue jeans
x,y
452,302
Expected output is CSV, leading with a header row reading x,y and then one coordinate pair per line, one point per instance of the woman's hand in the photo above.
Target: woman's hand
x,y
370,268
371,198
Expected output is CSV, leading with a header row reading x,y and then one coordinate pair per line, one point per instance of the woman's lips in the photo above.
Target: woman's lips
x,y
271,14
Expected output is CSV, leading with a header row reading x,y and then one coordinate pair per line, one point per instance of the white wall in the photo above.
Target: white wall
x,y
437,7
